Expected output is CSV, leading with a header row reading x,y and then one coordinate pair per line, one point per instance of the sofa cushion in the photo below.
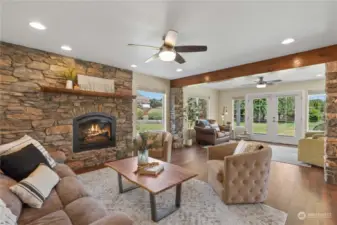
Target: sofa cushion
x,y
64,171
37,186
114,219
52,204
15,167
69,189
55,218
215,126
10,199
220,134
85,211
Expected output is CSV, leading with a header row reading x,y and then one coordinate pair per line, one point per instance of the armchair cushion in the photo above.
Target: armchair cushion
x,y
156,152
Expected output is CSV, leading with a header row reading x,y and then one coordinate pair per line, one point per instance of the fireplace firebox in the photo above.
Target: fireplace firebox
x,y
93,131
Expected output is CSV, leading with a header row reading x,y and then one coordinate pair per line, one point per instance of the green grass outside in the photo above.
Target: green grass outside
x,y
286,129
146,127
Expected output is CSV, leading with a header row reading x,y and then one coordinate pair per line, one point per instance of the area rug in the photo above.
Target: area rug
x,y
199,204
286,154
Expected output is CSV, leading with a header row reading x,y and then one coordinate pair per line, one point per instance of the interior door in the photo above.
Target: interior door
x,y
275,117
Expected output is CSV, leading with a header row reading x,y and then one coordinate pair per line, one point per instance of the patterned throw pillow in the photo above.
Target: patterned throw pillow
x,y
35,189
23,142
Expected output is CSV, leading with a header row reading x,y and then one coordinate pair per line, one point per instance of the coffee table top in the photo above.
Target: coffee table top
x,y
171,176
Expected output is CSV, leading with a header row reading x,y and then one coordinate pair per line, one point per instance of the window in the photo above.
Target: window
x,y
238,112
150,111
316,115
260,116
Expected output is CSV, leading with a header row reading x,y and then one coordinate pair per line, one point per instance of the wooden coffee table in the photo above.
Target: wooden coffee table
x,y
171,176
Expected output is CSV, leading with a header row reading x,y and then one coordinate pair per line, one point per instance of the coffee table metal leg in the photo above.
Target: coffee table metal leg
x,y
158,215
120,185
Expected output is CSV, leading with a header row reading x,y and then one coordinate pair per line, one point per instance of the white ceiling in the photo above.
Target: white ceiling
x,y
287,76
235,32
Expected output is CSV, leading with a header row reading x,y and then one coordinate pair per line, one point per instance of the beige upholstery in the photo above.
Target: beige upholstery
x,y
241,178
164,151
68,204
311,149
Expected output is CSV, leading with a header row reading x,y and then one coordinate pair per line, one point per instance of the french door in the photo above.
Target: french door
x,y
275,117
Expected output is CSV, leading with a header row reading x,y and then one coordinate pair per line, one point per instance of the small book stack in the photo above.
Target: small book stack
x,y
152,171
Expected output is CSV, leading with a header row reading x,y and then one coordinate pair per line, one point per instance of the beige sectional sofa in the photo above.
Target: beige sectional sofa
x,y
68,204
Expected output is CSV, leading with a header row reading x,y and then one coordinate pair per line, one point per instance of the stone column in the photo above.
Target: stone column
x,y
177,116
330,153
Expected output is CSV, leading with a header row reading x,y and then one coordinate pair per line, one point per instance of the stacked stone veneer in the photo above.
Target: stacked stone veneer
x,y
48,117
330,168
177,116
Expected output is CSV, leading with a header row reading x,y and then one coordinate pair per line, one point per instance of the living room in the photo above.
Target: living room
x,y
104,103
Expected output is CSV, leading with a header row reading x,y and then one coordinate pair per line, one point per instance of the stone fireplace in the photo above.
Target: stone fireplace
x,y
93,131
59,120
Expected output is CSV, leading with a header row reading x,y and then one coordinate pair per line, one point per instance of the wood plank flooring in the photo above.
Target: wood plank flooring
x,y
292,189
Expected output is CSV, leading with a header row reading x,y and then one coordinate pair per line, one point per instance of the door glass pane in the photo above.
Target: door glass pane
x,y
286,116
260,116
316,113
239,112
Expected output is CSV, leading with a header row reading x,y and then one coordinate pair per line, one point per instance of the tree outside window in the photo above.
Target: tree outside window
x,y
316,112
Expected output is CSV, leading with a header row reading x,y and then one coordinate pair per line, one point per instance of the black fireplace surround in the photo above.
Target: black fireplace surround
x,y
93,131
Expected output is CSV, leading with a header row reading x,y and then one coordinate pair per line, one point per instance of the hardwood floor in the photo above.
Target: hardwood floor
x,y
292,189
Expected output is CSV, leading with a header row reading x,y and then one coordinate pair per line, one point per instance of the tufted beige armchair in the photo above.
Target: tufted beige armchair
x,y
241,178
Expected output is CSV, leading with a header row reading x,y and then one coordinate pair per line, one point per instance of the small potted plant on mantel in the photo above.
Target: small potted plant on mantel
x,y
191,114
71,77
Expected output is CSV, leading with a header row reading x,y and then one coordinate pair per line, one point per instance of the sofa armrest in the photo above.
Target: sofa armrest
x,y
167,146
220,151
58,156
246,176
114,219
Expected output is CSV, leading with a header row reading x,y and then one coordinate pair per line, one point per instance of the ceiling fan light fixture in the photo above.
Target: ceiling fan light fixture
x,y
263,85
167,55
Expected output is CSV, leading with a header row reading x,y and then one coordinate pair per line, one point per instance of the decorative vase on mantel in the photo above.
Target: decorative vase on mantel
x,y
143,157
69,84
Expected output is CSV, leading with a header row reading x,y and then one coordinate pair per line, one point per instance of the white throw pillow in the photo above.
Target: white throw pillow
x,y
215,126
17,145
240,148
36,187
6,215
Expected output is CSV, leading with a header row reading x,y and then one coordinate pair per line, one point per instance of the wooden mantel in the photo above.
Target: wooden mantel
x,y
87,93
301,59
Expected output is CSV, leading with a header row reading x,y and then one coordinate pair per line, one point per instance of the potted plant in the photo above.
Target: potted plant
x,y
191,114
142,144
71,77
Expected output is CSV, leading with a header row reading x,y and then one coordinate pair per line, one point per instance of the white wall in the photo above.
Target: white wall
x,y
226,96
150,83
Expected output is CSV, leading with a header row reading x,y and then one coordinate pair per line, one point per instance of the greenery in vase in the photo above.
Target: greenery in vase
x,y
70,74
191,113
145,141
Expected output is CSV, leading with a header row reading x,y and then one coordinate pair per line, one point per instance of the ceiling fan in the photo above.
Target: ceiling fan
x,y
169,51
260,83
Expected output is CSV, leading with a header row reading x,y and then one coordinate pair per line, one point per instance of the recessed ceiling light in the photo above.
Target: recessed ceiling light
x,y
179,70
319,75
133,66
37,25
288,41
66,48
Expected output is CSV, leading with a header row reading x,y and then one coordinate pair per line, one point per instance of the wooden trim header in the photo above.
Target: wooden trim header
x,y
301,59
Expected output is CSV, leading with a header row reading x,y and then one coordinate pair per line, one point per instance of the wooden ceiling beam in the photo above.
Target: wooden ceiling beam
x,y
301,59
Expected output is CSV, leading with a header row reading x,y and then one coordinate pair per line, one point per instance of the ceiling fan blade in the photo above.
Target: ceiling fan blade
x,y
155,56
191,48
170,38
273,81
179,59
148,46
